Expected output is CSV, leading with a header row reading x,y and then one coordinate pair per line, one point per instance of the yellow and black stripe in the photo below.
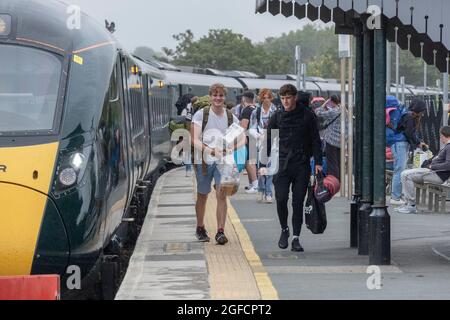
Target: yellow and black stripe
x,y
24,185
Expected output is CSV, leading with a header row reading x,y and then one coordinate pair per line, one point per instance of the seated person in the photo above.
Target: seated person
x,y
435,171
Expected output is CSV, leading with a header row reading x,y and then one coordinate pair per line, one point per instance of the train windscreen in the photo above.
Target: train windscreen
x,y
29,85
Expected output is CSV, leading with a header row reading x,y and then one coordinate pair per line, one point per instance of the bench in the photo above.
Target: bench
x,y
437,196
389,174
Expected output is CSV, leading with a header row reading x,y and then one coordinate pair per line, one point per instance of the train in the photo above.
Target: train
x,y
84,135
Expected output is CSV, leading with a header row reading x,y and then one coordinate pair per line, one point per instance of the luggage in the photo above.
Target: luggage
x,y
315,214
326,187
321,193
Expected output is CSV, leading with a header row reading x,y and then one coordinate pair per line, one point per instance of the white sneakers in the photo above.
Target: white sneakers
x,y
263,198
408,209
253,188
398,202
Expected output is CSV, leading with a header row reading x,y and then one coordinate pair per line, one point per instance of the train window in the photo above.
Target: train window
x,y
113,90
29,85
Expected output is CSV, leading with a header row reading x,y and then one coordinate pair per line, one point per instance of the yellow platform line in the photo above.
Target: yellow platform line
x,y
263,281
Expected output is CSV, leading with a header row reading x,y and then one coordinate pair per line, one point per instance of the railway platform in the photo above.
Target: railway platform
x,y
169,263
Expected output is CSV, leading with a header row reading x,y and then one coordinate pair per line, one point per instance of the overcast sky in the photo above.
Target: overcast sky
x,y
153,22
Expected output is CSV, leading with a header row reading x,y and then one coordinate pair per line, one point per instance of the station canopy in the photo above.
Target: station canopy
x,y
422,27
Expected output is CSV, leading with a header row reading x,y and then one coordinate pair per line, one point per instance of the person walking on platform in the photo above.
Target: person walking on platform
x,y
258,127
208,125
299,140
248,100
330,112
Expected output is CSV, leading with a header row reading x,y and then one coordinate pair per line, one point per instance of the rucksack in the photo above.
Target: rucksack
x,y
394,115
178,122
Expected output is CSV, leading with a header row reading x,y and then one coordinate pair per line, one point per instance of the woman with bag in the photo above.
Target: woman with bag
x,y
258,126
330,112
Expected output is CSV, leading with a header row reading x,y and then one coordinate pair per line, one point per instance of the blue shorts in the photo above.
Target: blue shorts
x,y
204,182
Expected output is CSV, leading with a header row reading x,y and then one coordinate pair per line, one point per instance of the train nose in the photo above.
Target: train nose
x,y
31,230
21,215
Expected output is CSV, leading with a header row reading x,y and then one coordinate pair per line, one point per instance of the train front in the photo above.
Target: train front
x,y
32,232
55,168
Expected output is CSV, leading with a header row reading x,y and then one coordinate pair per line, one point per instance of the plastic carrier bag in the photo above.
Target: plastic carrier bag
x,y
230,176
420,157
229,167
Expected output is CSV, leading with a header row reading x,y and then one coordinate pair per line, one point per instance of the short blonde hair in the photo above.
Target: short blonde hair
x,y
217,88
265,92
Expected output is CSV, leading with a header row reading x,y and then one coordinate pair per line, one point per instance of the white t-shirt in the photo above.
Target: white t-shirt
x,y
216,126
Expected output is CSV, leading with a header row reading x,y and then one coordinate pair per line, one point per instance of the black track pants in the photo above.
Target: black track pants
x,y
333,160
297,176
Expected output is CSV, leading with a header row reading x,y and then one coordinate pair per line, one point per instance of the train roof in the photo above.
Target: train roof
x,y
147,68
200,79
253,84
46,23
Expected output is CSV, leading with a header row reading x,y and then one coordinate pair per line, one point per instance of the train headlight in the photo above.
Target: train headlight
x,y
71,169
68,177
77,160
5,24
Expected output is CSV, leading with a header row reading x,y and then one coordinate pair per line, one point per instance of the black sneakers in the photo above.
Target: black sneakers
x,y
296,246
201,234
221,238
284,238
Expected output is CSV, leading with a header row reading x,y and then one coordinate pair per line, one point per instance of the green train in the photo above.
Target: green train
x,y
83,134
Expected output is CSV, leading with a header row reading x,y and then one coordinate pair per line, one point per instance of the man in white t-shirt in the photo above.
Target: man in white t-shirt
x,y
218,122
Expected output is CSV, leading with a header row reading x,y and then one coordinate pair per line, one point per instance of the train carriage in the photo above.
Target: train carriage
x,y
83,129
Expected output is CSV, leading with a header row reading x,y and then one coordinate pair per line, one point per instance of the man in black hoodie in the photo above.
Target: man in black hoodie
x,y
436,171
299,140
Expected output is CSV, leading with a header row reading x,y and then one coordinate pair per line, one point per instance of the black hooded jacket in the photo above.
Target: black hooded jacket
x,y
408,123
299,136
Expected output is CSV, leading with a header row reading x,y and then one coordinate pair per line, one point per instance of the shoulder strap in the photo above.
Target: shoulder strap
x,y
230,117
334,120
205,117
258,114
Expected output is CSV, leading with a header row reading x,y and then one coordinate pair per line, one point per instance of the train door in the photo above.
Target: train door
x,y
146,118
124,67
119,163
153,124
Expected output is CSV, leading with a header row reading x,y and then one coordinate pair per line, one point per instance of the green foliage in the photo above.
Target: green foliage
x,y
225,50
412,69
